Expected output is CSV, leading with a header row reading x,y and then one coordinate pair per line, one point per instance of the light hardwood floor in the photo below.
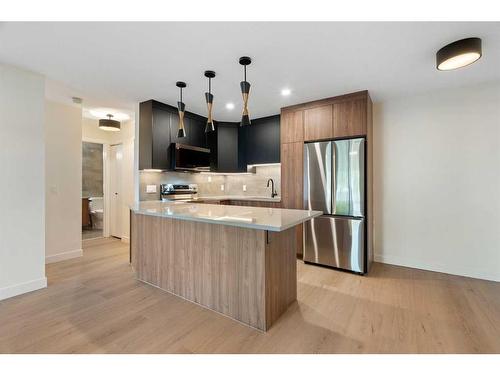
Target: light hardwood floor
x,y
94,305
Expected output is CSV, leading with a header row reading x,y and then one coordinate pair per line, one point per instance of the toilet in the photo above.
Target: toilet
x,y
96,211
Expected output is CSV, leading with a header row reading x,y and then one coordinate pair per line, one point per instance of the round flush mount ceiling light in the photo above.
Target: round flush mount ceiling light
x,y
286,92
109,124
459,54
103,112
230,106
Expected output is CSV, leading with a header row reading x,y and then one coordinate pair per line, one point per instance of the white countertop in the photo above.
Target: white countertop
x,y
272,219
240,198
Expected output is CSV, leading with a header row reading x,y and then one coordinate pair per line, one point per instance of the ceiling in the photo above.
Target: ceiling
x,y
120,64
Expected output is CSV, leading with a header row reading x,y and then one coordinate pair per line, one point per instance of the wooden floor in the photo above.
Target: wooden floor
x,y
94,305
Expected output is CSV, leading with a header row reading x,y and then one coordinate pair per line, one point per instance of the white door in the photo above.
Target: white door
x,y
115,184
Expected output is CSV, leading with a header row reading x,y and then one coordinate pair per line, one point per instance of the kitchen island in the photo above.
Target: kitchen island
x,y
238,261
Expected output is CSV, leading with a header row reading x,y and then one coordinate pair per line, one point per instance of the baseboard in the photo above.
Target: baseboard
x,y
63,256
452,270
29,286
125,239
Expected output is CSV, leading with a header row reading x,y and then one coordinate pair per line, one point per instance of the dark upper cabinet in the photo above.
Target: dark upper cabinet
x,y
224,148
232,147
146,135
197,135
158,130
161,139
262,140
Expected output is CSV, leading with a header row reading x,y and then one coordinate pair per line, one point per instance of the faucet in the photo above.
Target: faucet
x,y
273,192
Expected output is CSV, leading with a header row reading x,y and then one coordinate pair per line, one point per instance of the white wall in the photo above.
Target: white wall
x,y
437,181
22,191
63,181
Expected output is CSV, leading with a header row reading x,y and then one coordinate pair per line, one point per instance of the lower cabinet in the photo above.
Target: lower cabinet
x,y
253,203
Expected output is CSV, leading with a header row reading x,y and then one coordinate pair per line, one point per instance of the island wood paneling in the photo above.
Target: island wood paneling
x,y
281,283
318,123
235,271
292,126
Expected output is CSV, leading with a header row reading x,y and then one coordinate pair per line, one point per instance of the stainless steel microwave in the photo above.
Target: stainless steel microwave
x,y
191,158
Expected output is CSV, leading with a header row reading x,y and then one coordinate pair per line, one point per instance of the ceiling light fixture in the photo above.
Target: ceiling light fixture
x,y
181,133
459,54
109,124
229,106
210,100
286,92
245,91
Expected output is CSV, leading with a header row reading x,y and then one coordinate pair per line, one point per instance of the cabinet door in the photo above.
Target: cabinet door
x,y
349,118
318,123
262,140
292,166
292,126
227,148
161,139
145,135
196,132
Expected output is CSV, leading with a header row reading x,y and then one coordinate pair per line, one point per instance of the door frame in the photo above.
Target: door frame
x,y
105,182
110,193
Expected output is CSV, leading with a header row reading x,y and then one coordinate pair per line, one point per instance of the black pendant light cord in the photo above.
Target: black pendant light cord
x,y
181,94
209,85
245,67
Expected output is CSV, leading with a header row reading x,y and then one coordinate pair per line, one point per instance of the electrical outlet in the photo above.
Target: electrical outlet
x,y
150,188
244,188
222,187
209,178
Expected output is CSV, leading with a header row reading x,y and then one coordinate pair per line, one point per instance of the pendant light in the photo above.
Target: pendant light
x,y
181,133
458,54
210,100
245,91
109,124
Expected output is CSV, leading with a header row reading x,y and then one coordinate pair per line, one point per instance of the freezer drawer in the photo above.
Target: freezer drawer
x,y
335,241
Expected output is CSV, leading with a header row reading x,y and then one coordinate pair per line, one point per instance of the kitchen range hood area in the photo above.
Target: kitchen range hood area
x,y
231,147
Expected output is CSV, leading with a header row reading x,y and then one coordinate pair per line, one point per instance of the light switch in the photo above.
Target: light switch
x,y
244,188
151,189
222,187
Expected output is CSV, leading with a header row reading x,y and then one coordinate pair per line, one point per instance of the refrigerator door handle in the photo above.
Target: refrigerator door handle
x,y
334,177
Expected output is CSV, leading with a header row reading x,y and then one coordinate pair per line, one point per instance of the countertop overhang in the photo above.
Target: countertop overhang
x,y
264,218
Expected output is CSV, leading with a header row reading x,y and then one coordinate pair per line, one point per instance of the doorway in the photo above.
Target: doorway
x,y
92,190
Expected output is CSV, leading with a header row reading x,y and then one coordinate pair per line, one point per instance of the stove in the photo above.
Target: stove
x,y
178,193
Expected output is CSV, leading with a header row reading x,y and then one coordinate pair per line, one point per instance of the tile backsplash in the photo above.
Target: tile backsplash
x,y
210,184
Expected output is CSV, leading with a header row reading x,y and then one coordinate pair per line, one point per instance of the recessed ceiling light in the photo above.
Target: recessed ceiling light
x,y
458,54
286,92
229,106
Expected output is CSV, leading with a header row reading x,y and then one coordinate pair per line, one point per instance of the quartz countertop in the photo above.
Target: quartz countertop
x,y
272,219
240,198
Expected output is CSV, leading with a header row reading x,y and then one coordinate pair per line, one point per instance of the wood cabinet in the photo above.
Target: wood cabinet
x,y
349,118
338,117
318,123
240,202
292,126
292,166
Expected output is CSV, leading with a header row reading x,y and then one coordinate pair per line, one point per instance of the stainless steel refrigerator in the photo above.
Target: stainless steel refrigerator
x,y
334,182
